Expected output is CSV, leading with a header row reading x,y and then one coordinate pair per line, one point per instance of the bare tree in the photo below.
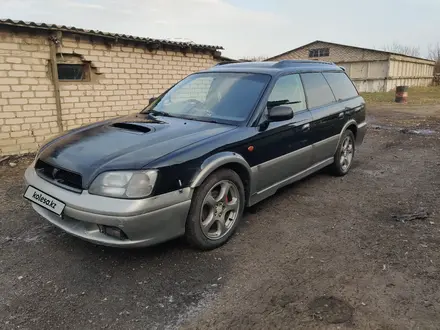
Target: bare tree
x,y
259,58
434,54
402,49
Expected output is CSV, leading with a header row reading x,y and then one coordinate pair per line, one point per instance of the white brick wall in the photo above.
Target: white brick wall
x,y
124,78
24,88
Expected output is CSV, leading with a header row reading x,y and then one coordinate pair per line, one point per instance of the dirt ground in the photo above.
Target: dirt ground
x,y
358,252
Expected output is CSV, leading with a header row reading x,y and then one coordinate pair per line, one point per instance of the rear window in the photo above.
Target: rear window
x,y
341,85
317,90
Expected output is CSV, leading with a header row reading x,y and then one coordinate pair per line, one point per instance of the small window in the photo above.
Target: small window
x,y
288,89
76,72
341,85
319,52
317,90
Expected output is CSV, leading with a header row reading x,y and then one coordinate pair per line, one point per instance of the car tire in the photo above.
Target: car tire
x,y
343,158
216,210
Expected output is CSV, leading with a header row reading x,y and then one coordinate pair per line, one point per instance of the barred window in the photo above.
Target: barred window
x,y
319,52
72,72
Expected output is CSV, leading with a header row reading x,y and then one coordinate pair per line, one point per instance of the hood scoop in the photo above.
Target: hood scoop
x,y
133,127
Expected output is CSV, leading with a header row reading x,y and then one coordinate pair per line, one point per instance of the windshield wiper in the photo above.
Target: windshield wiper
x,y
159,113
166,114
210,121
204,119
271,104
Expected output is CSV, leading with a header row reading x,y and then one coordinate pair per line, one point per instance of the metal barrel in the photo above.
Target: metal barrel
x,y
402,94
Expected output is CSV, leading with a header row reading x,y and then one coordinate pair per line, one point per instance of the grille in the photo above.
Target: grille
x,y
58,175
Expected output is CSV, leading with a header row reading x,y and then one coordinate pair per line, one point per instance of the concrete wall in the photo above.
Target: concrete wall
x,y
367,76
123,78
409,72
412,82
370,85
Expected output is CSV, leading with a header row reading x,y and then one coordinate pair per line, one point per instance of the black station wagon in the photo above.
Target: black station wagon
x,y
197,155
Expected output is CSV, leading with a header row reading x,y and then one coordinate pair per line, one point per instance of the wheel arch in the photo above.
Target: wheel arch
x,y
230,160
353,127
349,125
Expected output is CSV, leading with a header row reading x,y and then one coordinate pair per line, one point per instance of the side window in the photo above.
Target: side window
x,y
341,85
317,90
288,89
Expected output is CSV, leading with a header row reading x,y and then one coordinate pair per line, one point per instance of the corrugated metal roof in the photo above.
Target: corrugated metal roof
x,y
97,33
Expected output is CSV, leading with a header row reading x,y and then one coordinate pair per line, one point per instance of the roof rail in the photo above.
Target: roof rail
x,y
287,63
226,62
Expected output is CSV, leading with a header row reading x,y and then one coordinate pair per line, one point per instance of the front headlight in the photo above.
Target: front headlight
x,y
124,184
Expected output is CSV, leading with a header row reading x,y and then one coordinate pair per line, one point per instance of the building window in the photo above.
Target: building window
x,y
72,72
319,52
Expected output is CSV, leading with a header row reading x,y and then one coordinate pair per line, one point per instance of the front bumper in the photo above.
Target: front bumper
x,y
145,221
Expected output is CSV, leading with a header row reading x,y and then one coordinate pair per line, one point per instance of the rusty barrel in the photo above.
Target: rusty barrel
x,y
402,94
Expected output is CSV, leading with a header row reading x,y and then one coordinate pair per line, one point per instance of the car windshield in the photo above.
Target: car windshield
x,y
227,98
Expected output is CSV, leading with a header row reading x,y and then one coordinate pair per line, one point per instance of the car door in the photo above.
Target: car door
x,y
326,113
346,95
283,148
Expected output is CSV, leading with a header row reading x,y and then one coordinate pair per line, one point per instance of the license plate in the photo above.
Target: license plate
x,y
38,197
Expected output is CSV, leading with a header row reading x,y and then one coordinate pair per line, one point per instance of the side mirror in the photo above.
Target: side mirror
x,y
280,113
152,99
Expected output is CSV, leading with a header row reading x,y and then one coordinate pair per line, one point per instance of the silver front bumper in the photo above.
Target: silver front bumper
x,y
145,221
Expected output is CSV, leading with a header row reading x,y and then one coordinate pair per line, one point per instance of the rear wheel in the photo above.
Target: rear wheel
x,y
344,155
216,210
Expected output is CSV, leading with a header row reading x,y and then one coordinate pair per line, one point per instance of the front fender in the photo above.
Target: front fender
x,y
216,161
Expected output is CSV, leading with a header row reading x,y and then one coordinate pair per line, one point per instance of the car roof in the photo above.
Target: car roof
x,y
276,68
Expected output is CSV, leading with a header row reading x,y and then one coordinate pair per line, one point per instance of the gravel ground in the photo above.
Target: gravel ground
x,y
325,253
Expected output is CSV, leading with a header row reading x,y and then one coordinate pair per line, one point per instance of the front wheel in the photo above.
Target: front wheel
x,y
216,210
344,155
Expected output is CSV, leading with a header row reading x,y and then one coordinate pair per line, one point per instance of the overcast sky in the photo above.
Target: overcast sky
x,y
247,27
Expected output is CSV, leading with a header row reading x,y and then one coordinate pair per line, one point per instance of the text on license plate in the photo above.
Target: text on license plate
x,y
44,200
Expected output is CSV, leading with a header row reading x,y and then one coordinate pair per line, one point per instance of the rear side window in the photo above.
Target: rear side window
x,y
317,90
341,85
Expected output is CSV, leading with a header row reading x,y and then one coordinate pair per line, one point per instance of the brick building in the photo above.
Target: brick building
x,y
371,70
55,78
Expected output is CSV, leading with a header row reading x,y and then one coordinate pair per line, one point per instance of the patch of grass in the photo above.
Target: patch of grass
x,y
416,96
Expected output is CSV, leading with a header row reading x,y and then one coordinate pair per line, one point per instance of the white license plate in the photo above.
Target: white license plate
x,y
38,197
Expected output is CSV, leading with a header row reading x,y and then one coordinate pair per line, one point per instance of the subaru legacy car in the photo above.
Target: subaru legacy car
x,y
188,164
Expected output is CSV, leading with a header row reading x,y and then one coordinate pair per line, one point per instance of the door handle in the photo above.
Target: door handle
x,y
305,127
341,114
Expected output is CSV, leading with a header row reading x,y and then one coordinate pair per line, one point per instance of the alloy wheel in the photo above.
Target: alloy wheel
x,y
220,209
346,153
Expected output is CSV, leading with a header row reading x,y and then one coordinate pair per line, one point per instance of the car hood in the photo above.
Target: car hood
x,y
126,143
